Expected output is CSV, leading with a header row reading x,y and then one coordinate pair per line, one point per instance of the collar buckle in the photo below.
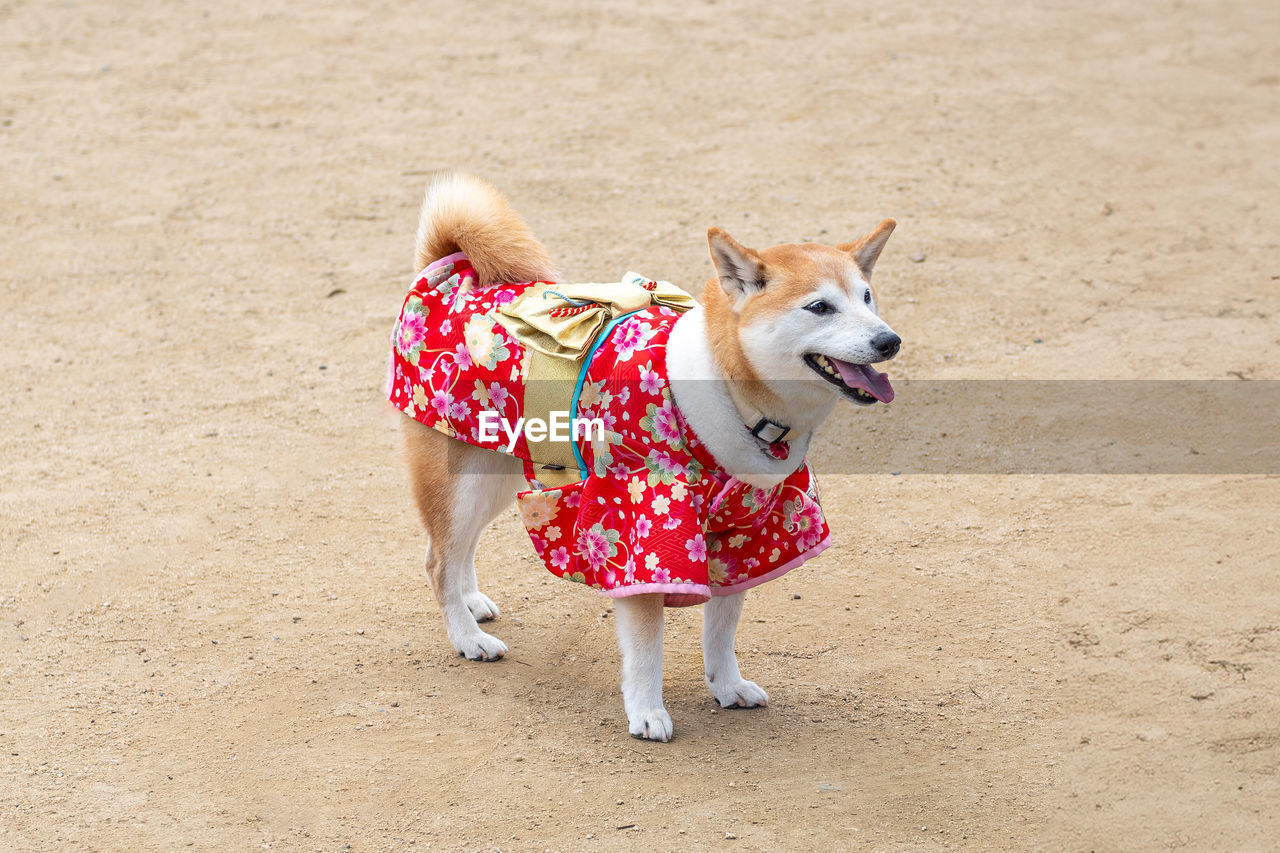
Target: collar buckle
x,y
770,432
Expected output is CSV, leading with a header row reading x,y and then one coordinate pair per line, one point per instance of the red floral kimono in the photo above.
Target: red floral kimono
x,y
655,514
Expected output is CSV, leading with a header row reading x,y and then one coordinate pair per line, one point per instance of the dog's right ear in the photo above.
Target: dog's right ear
x,y
742,270
867,250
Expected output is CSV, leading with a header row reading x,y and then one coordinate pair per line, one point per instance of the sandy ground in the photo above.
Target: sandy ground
x,y
215,630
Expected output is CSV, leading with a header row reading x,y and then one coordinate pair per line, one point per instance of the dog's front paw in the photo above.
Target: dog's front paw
x,y
481,606
742,694
654,724
480,646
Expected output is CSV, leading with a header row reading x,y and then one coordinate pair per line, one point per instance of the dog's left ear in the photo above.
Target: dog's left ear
x,y
742,270
867,250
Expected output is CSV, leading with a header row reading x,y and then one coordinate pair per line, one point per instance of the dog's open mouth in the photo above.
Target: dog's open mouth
x,y
861,383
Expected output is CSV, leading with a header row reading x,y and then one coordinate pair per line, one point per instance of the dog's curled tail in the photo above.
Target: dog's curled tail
x,y
462,213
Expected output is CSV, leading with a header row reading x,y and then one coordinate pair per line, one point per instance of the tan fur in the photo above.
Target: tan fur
x,y
462,213
795,270
726,347
427,454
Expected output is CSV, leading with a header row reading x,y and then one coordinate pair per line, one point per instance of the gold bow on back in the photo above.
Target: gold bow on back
x,y
563,320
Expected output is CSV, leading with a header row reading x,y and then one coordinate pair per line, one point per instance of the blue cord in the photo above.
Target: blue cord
x,y
582,378
568,299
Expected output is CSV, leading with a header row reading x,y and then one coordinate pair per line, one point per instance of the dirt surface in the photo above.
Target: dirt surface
x,y
215,629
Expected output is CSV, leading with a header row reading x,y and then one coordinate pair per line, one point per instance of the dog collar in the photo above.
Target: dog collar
x,y
761,426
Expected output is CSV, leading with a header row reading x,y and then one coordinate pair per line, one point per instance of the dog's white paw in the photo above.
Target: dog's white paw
x,y
742,694
654,724
481,606
480,646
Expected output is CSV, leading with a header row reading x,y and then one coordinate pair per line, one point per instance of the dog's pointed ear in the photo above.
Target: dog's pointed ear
x,y
742,270
867,250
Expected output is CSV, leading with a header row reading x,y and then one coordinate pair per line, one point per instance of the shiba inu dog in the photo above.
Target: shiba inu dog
x,y
695,487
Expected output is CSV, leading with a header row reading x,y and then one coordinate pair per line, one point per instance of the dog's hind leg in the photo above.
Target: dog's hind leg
x,y
640,638
719,627
459,489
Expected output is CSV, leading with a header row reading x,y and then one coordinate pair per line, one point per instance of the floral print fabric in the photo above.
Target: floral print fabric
x,y
654,515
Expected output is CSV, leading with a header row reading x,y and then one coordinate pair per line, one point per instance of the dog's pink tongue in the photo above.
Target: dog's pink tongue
x,y
867,378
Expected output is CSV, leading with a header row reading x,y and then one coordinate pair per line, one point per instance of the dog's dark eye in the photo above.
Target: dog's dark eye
x,y
819,307
866,297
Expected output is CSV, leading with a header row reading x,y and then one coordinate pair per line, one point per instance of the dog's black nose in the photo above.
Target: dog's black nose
x,y
886,344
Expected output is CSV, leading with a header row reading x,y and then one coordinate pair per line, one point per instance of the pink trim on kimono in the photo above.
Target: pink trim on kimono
x,y
677,594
